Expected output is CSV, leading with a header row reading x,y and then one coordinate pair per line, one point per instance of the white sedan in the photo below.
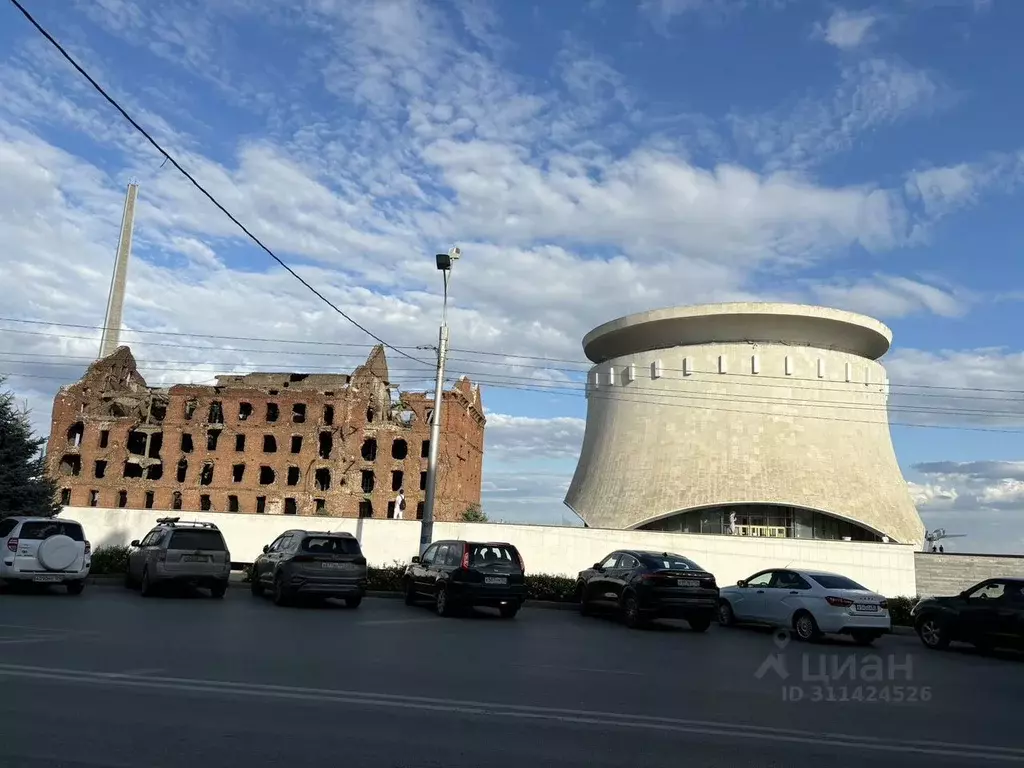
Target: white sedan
x,y
811,603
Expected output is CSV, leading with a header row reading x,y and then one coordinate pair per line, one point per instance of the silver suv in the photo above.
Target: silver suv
x,y
44,550
181,553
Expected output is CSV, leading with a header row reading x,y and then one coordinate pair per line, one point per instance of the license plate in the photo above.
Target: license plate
x,y
687,583
194,559
495,579
47,579
334,566
866,608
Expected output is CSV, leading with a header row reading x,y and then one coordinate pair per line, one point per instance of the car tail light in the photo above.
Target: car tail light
x,y
12,544
884,604
522,565
465,557
88,547
839,602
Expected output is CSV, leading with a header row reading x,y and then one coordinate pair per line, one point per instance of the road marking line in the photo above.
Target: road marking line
x,y
731,730
559,667
379,622
33,639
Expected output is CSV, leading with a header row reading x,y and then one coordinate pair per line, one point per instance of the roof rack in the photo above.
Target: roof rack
x,y
175,522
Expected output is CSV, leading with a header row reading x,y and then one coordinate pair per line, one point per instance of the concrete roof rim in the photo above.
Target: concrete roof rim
x,y
812,314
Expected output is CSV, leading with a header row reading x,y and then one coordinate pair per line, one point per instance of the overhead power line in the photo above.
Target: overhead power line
x,y
169,158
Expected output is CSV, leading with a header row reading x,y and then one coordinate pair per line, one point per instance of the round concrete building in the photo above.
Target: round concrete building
x,y
742,419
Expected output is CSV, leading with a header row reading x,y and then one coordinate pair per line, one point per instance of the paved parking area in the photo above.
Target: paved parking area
x,y
112,679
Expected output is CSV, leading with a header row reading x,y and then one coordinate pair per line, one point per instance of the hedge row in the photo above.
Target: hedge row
x,y
557,589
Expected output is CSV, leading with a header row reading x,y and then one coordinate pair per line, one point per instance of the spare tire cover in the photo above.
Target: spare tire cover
x,y
57,553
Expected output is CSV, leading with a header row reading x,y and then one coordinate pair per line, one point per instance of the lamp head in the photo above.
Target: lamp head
x,y
445,260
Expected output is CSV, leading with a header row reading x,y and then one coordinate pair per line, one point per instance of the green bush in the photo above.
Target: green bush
x,y
386,579
900,608
556,589
109,560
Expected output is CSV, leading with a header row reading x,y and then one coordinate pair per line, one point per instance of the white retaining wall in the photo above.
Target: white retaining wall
x,y
554,550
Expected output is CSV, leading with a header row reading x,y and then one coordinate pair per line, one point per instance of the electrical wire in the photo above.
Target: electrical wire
x,y
167,156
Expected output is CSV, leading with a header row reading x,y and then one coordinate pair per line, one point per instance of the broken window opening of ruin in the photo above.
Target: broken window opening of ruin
x,y
158,410
369,449
244,411
296,444
239,443
295,377
397,476
269,444
293,475
94,498
186,443
206,474
423,481
122,499
137,443
407,418
104,438
71,464
182,470
238,472
290,507
131,469
176,500
156,442
154,471
272,412
323,479
261,505
190,408
204,503
399,449
65,495
100,469
370,413
212,436
419,510
216,415
75,433
267,476
425,449
326,445
232,503
368,481
391,510
328,415
299,413
149,499
366,508
321,506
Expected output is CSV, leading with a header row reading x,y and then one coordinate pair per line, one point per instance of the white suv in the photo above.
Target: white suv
x,y
44,550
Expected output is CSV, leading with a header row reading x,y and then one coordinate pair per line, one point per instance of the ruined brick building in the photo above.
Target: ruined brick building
x,y
263,443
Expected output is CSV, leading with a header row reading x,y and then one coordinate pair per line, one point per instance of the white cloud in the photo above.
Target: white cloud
x,y
892,296
847,30
524,437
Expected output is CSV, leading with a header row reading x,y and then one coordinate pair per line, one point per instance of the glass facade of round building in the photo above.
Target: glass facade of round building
x,y
762,520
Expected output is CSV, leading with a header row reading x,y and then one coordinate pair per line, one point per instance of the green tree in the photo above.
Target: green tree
x,y
474,514
25,488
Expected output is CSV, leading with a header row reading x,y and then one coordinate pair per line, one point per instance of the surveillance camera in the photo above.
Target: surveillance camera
x,y
455,252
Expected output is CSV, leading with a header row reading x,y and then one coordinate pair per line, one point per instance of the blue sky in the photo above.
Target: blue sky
x,y
591,158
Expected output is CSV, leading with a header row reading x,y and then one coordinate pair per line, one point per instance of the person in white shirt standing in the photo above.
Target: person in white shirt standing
x,y
400,504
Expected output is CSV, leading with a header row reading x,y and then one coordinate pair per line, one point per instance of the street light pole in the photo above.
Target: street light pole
x,y
445,261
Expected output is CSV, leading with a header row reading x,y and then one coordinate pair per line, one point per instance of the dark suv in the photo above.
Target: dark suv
x,y
989,615
463,574
311,564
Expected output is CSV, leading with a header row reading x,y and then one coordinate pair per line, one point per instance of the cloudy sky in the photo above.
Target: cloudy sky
x,y
592,159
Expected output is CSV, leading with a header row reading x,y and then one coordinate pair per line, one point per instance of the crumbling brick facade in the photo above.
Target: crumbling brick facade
x,y
263,443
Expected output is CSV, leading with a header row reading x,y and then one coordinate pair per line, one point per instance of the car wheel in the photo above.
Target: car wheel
x,y
581,599
217,590
281,596
863,638
725,615
631,611
146,585
932,633
442,603
509,610
353,602
806,627
699,623
256,586
410,593
75,587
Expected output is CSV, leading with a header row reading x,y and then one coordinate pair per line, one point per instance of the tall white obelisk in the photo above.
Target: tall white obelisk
x,y
115,302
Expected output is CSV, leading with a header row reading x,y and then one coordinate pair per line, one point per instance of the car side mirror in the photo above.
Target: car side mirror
x,y
135,542
415,558
266,548
741,583
597,567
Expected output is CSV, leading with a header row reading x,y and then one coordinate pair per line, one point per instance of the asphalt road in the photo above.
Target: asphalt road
x,y
112,679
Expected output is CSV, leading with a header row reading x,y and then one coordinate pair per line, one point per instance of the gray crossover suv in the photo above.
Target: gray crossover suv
x,y
182,553
311,564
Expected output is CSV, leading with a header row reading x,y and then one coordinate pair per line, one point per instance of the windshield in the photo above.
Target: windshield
x,y
198,538
670,562
45,529
330,545
836,582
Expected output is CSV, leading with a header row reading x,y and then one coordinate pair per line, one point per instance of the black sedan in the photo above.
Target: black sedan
x,y
988,615
643,586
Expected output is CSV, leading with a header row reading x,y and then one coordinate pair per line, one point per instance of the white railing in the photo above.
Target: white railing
x,y
766,531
